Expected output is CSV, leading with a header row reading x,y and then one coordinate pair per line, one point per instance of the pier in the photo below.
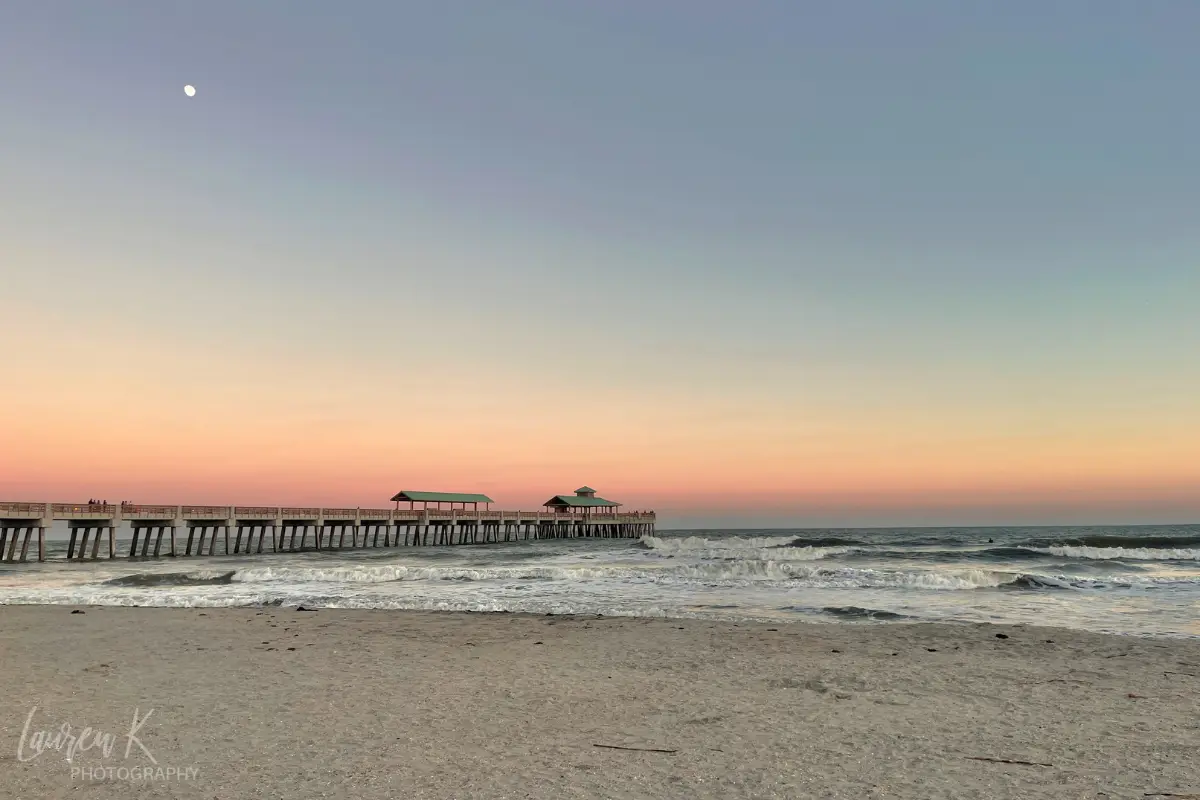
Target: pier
x,y
180,531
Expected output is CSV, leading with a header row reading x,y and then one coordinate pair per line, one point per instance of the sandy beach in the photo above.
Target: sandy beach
x,y
281,703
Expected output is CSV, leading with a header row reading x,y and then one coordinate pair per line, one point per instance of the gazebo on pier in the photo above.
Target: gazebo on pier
x,y
437,498
582,502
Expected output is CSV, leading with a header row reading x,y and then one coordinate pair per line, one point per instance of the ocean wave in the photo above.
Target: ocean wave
x,y
689,543
1120,553
201,578
727,572
991,554
937,580
1183,541
857,612
1026,581
823,541
388,573
738,548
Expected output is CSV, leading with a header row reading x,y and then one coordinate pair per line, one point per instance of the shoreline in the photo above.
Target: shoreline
x,y
742,622
272,702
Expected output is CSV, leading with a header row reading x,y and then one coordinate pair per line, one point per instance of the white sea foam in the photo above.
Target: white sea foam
x,y
1120,553
692,543
736,572
703,574
387,573
738,548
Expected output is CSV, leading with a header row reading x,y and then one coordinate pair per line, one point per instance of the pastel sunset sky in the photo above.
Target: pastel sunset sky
x,y
751,263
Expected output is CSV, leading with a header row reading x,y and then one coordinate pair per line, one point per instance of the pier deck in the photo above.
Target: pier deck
x,y
245,530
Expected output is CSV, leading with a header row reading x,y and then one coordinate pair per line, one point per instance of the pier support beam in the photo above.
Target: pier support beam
x,y
25,543
12,545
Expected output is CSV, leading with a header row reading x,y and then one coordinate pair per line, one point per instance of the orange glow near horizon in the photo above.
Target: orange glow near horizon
x,y
256,448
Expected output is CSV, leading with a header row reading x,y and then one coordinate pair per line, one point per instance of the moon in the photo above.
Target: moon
x,y
189,90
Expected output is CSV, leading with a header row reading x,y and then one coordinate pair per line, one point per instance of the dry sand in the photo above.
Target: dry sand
x,y
374,704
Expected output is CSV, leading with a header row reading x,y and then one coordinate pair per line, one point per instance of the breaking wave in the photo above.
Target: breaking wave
x,y
724,572
1118,553
1128,580
173,579
749,548
823,541
1113,541
857,612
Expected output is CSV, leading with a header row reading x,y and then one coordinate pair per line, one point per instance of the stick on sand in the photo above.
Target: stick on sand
x,y
1007,761
638,749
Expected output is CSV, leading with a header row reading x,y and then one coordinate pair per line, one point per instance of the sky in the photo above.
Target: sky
x,y
745,263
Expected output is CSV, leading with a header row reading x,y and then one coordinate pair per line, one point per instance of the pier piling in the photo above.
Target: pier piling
x,y
581,517
25,543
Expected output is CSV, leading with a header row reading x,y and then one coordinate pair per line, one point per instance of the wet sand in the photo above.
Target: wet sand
x,y
280,703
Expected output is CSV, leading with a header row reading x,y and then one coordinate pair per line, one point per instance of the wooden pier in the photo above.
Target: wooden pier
x,y
173,531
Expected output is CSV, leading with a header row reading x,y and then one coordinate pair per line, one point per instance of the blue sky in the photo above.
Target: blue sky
x,y
972,216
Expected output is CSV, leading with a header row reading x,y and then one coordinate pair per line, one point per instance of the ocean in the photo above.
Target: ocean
x,y
1126,580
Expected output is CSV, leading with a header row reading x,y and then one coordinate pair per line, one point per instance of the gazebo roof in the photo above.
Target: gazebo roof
x,y
442,497
585,490
575,501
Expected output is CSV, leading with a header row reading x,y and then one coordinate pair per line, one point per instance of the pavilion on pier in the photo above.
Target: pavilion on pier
x,y
583,502
437,498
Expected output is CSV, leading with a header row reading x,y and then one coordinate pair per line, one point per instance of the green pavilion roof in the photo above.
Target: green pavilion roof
x,y
575,501
585,490
442,497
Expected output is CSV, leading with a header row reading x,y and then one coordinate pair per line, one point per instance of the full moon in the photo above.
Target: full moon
x,y
189,90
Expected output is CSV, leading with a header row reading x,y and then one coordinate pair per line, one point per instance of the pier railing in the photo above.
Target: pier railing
x,y
300,513
255,512
21,509
205,512
81,509
336,513
149,512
